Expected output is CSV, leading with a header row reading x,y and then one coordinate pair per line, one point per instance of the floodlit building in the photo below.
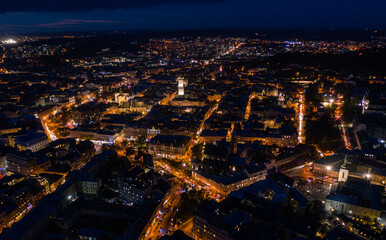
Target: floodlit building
x,y
355,198
27,163
181,85
33,142
169,146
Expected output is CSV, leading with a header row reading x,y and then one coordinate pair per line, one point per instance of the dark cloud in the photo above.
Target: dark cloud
x,y
65,23
86,5
71,22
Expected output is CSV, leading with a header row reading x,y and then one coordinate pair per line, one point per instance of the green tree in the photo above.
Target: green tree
x,y
197,151
189,201
348,111
323,133
77,101
314,211
311,95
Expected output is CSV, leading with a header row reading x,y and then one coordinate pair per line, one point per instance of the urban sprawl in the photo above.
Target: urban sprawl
x,y
191,138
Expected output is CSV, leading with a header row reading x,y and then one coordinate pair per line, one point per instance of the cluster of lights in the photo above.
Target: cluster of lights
x,y
301,117
9,41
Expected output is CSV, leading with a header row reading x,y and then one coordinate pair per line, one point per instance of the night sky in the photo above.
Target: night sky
x,y
79,15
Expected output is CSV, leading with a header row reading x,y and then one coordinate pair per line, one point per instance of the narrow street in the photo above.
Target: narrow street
x,y
342,123
300,115
160,222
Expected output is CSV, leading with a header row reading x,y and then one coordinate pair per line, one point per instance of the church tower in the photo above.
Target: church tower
x,y
180,81
343,171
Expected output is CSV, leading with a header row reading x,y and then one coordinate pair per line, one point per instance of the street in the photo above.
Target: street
x,y
314,187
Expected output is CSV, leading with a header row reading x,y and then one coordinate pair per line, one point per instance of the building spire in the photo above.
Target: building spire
x,y
343,171
344,165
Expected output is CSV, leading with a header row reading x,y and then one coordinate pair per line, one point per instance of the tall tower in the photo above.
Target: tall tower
x,y
180,86
343,171
281,99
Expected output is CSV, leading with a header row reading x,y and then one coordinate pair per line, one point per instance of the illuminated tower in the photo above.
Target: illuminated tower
x,y
281,99
180,86
343,171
